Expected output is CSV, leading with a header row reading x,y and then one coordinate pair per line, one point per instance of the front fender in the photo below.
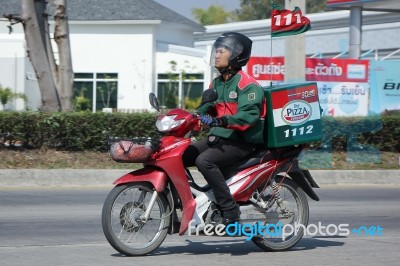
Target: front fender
x,y
148,174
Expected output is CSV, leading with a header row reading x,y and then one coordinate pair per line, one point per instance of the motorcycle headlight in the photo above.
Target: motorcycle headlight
x,y
168,123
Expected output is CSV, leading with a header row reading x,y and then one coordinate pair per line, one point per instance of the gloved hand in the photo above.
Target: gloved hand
x,y
209,120
213,122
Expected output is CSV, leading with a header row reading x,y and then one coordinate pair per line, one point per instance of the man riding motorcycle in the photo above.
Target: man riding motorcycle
x,y
236,118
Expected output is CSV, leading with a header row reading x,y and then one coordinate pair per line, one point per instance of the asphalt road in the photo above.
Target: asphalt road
x,y
61,226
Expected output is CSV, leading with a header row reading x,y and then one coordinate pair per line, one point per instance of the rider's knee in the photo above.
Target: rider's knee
x,y
202,162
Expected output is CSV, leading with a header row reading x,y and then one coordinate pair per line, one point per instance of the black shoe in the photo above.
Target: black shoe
x,y
231,216
228,221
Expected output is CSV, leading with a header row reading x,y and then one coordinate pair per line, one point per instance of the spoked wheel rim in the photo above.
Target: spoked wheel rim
x,y
289,214
126,223
284,226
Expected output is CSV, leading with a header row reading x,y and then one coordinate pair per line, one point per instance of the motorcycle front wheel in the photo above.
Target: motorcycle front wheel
x,y
284,221
122,226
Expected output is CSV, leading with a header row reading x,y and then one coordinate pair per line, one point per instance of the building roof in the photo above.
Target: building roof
x,y
368,5
103,10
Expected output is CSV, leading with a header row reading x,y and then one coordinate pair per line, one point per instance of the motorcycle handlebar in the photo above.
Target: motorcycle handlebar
x,y
196,119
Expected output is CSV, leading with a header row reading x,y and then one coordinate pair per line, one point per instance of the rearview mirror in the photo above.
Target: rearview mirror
x,y
153,101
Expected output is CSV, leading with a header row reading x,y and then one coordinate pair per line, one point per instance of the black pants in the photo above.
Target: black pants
x,y
210,157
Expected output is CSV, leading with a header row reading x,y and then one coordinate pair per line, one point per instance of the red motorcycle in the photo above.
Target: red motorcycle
x,y
163,197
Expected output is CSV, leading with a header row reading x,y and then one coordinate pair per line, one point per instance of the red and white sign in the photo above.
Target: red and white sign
x,y
267,68
317,69
295,107
342,83
336,70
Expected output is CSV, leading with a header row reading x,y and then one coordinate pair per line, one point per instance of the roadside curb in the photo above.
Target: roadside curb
x,y
105,177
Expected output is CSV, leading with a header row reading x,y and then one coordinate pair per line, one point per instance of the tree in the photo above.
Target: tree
x,y
55,82
316,6
171,97
35,35
215,14
6,94
65,72
254,10
187,76
178,90
106,91
80,102
249,10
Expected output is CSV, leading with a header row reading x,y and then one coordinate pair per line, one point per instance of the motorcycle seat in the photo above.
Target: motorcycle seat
x,y
255,158
260,155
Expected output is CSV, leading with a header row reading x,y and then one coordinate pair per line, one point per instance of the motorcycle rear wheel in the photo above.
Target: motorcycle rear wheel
x,y
295,202
121,222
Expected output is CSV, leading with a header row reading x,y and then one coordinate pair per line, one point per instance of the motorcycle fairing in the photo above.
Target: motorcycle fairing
x,y
154,176
169,159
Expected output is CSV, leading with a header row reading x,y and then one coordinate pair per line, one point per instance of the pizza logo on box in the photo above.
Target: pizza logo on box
x,y
296,112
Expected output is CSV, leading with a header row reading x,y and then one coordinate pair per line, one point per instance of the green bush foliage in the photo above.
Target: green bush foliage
x,y
74,131
362,133
90,131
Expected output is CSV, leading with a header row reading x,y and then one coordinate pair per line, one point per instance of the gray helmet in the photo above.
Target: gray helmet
x,y
238,44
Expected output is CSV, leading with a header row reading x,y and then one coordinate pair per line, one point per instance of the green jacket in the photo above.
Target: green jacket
x,y
241,100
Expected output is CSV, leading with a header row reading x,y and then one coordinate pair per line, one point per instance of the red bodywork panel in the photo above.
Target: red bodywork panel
x,y
169,165
169,158
156,177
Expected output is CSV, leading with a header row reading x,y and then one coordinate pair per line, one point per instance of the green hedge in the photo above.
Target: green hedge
x,y
382,133
74,131
90,131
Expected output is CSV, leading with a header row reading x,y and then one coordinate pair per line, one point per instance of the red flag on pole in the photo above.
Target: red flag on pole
x,y
285,22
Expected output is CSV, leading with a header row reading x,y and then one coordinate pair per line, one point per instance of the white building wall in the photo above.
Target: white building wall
x,y
32,90
12,66
173,33
195,63
123,49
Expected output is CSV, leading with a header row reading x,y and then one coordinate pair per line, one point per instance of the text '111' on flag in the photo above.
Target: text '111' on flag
x,y
285,22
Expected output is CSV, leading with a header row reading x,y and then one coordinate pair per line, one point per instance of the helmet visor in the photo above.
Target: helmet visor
x,y
223,52
220,55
